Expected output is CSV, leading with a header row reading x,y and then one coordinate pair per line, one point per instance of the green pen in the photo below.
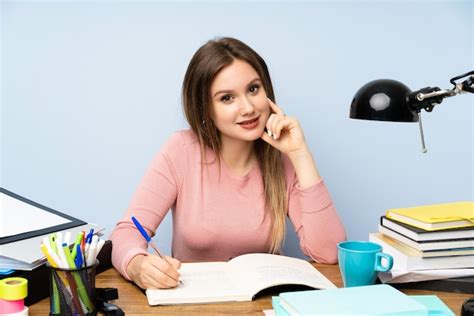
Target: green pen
x,y
55,297
77,278
77,242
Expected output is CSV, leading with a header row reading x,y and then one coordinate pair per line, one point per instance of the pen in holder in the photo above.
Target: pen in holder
x,y
72,291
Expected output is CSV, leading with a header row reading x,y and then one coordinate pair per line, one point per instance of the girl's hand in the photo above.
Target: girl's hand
x,y
152,272
287,136
283,132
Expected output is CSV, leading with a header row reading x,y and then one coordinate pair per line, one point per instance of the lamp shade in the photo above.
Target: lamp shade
x,y
383,100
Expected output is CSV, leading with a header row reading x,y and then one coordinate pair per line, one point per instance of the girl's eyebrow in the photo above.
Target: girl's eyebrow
x,y
230,91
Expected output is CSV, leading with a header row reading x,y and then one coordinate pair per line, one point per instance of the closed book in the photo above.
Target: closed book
x,y
436,217
462,246
406,258
419,234
381,299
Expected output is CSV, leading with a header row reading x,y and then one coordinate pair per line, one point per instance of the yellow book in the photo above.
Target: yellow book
x,y
436,217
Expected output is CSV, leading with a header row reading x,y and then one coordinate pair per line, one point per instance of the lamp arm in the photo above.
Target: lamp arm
x,y
439,93
427,98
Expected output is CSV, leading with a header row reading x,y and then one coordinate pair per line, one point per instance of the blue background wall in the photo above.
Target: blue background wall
x,y
91,90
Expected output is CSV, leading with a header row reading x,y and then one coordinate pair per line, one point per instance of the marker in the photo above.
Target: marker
x,y
45,251
77,242
100,244
91,252
51,253
78,260
89,239
67,254
52,241
61,254
67,237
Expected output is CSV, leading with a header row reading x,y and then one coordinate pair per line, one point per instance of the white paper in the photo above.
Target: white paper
x,y
18,217
397,276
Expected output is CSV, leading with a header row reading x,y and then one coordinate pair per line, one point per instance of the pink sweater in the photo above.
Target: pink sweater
x,y
218,215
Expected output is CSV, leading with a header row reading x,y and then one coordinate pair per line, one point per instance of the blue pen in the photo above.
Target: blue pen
x,y
78,259
89,236
148,239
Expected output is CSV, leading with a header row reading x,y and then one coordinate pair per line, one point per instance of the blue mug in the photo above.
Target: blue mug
x,y
360,262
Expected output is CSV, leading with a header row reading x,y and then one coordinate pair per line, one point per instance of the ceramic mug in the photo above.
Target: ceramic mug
x,y
361,261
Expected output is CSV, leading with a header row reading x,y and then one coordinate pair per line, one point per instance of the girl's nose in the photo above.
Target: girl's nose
x,y
246,107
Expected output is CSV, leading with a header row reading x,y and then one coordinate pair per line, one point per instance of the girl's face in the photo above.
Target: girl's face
x,y
239,102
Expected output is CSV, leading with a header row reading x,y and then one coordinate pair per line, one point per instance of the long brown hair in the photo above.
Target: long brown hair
x,y
208,60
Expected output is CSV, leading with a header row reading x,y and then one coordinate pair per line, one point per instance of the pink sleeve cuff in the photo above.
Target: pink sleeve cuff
x,y
128,257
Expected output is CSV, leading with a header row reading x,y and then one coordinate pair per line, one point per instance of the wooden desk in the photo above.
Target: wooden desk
x,y
133,301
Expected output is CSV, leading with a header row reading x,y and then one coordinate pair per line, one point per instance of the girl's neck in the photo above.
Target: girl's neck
x,y
238,155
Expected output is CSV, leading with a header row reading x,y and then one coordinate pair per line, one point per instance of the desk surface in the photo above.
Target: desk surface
x,y
133,301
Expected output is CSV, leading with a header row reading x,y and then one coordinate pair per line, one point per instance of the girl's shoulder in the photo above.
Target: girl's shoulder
x,y
185,137
183,143
181,140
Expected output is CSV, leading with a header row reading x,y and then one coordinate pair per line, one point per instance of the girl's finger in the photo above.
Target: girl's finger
x,y
279,126
267,139
275,107
163,278
153,282
168,270
268,125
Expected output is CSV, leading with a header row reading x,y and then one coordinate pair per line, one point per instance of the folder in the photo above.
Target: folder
x,y
24,223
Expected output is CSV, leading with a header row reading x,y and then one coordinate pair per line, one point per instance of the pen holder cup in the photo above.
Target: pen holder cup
x,y
72,291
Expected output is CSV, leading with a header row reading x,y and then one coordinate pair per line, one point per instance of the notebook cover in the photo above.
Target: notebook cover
x,y
434,305
422,232
438,213
363,300
279,311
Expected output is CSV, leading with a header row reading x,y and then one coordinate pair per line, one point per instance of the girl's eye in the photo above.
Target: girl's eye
x,y
226,98
254,88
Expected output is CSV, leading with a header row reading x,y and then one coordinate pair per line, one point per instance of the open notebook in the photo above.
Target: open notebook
x,y
239,279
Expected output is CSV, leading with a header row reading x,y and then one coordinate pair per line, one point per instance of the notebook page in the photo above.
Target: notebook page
x,y
264,270
201,282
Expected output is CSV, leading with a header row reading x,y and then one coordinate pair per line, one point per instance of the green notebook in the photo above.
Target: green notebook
x,y
379,299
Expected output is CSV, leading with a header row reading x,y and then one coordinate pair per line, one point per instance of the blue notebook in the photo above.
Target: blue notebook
x,y
434,305
379,299
279,311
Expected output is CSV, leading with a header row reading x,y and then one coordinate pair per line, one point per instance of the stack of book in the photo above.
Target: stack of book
x,y
428,237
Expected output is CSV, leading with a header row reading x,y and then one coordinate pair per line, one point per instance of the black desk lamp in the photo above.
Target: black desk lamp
x,y
390,100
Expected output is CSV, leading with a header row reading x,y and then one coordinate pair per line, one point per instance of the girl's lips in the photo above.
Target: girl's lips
x,y
249,124
248,121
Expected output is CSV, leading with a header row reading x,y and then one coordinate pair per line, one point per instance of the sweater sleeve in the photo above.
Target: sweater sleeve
x,y
155,195
314,217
